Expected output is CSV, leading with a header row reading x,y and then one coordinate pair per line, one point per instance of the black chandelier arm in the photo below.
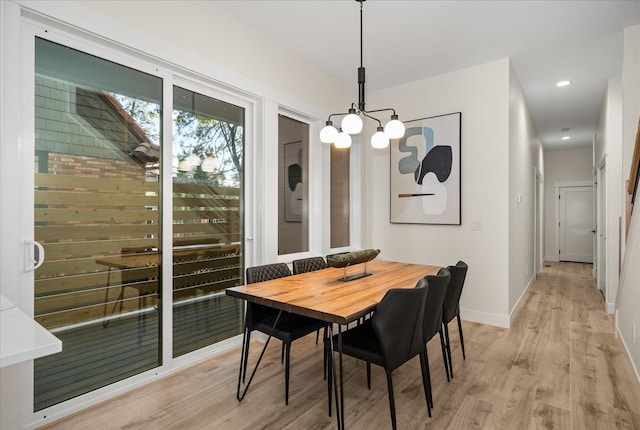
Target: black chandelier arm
x,y
381,110
372,117
337,114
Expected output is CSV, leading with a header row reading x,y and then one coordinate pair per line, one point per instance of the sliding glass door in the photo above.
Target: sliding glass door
x,y
97,215
98,206
208,153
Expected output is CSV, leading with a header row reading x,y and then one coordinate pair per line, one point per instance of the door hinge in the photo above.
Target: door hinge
x,y
558,251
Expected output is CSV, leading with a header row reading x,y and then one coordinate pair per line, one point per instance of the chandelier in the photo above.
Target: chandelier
x,y
352,122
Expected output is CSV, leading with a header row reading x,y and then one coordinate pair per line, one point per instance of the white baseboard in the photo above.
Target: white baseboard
x,y
611,308
635,369
551,258
519,302
497,320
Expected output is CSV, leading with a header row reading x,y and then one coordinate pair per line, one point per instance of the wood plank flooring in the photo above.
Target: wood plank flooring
x,y
558,367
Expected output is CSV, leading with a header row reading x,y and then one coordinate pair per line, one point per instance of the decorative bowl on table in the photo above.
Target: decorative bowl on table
x,y
346,259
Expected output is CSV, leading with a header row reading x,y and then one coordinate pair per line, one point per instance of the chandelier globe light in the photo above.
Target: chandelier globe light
x,y
352,123
394,128
352,119
380,139
342,140
329,133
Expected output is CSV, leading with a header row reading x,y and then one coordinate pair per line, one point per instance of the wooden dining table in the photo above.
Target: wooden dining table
x,y
323,295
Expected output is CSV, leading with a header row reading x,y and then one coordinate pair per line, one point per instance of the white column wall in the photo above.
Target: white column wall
x,y
609,149
481,93
525,158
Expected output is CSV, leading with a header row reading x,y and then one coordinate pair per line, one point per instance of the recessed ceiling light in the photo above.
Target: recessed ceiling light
x,y
563,83
566,137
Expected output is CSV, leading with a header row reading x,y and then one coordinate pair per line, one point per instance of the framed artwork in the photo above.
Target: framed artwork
x,y
293,183
425,172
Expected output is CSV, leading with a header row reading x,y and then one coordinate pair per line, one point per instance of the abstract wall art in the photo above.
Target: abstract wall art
x,y
425,172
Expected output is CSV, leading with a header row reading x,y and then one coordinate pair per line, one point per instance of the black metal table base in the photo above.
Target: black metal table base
x,y
244,358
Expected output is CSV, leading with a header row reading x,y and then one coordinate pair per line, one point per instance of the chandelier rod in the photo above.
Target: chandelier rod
x,y
361,76
352,122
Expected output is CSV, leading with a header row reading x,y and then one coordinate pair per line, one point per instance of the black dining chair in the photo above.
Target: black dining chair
x,y
289,327
390,338
311,264
451,307
432,322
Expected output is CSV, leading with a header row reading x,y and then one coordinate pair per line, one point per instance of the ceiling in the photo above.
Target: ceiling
x,y
404,41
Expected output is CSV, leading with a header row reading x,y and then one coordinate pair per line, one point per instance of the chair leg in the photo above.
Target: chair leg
x,y
426,384
329,383
325,360
286,372
282,354
448,343
392,404
428,374
368,375
444,354
324,334
464,357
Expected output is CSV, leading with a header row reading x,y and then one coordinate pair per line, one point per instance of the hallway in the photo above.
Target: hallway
x,y
558,367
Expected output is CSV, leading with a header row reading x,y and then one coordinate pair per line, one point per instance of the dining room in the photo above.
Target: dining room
x,y
146,167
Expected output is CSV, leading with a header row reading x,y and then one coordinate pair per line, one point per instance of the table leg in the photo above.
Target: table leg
x,y
106,297
341,427
335,379
243,360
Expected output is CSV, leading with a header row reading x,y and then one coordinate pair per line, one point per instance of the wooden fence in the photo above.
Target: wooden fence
x,y
87,223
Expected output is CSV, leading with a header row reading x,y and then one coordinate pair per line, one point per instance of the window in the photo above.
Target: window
x,y
293,186
340,201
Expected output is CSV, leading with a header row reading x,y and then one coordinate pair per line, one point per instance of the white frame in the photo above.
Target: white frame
x,y
556,194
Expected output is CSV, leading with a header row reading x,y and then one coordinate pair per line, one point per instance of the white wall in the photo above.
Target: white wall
x,y
525,158
628,301
608,150
631,91
569,165
208,32
481,93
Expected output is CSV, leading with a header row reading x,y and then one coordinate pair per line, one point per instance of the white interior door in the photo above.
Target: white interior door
x,y
576,223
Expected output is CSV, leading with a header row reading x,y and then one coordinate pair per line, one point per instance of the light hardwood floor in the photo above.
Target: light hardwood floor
x,y
558,367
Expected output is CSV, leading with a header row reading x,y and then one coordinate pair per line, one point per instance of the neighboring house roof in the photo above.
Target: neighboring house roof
x,y
144,149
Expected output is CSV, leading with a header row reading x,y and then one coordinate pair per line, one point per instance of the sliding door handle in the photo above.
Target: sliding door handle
x,y
34,255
